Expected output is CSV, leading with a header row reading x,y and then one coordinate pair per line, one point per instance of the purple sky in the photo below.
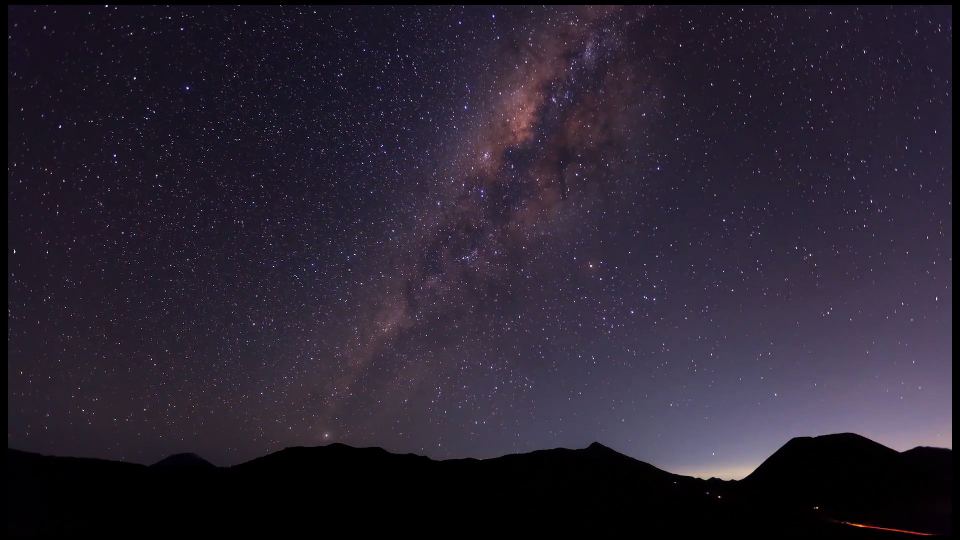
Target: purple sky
x,y
689,234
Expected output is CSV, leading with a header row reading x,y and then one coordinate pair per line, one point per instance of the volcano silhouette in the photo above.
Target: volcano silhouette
x,y
806,489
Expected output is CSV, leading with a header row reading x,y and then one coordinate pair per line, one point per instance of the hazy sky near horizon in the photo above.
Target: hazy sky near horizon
x,y
687,233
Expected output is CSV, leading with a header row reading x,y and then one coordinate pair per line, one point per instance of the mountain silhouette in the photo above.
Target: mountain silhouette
x,y
338,489
850,475
183,460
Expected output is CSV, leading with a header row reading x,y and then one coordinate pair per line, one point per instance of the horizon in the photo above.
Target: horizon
x,y
732,472
688,233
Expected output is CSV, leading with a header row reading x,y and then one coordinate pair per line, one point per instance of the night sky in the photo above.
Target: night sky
x,y
689,234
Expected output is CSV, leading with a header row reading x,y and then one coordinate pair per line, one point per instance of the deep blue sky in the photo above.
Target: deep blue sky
x,y
689,234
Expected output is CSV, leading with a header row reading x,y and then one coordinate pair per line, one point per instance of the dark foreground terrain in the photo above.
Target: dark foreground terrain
x,y
804,490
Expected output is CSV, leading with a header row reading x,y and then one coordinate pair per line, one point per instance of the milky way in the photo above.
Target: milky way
x,y
556,141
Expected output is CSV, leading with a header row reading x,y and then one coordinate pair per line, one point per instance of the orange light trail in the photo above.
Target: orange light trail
x,y
861,525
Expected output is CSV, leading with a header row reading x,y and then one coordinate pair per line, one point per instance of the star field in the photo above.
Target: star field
x,y
687,233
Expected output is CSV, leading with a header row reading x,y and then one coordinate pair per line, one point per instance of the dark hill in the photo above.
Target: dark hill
x,y
338,489
851,476
806,462
184,460
931,462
